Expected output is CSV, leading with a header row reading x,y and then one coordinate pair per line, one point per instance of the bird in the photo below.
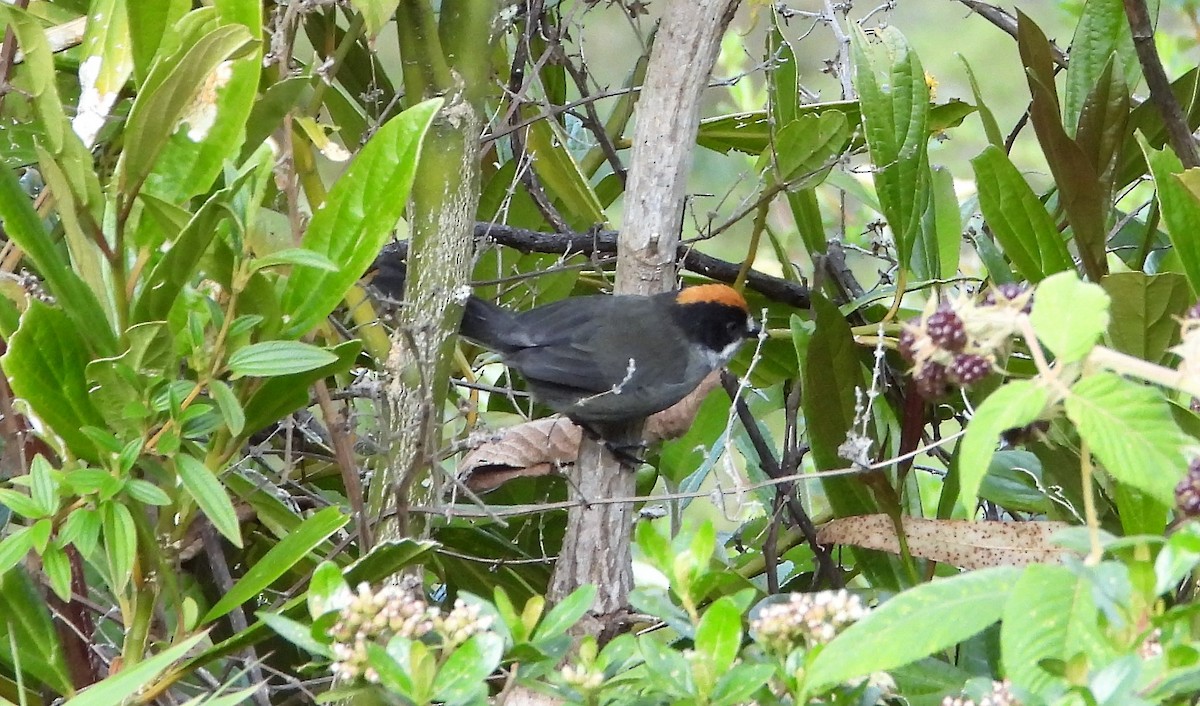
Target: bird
x,y
606,360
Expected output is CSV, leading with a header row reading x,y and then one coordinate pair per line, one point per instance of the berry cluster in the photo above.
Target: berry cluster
x,y
814,618
1187,492
375,617
959,342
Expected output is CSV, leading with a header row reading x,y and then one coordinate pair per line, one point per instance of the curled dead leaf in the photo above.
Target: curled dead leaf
x,y
961,543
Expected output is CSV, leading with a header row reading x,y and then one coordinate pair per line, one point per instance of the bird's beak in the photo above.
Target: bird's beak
x,y
752,328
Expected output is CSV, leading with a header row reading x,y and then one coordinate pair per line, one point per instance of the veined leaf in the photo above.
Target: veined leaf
x,y
353,223
1130,430
1016,404
275,358
915,624
1180,209
1143,311
280,559
1069,316
209,494
1021,223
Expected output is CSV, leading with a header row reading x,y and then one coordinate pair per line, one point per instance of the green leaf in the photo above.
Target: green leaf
x,y
990,127
915,624
148,23
45,365
1050,614
203,485
106,62
280,396
187,167
21,504
376,13
115,689
560,175
806,148
231,409
144,491
1144,308
43,488
894,98
328,590
939,250
280,559
564,615
82,528
353,223
1069,316
1081,193
1130,429
1180,208
1016,404
27,625
23,227
1177,558
14,548
719,634
296,633
831,371
294,256
120,543
1020,222
463,673
1102,31
275,358
173,83
57,568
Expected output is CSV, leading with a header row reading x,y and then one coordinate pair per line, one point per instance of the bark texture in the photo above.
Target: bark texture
x,y
596,547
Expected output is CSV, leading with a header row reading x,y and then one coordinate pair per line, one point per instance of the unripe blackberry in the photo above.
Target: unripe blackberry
x,y
1187,493
1007,292
907,342
931,380
968,369
946,330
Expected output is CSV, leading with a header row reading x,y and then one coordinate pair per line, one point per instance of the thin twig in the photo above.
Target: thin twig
x,y
1160,86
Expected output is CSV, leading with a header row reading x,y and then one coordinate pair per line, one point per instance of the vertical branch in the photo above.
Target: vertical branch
x,y
1160,86
449,58
596,547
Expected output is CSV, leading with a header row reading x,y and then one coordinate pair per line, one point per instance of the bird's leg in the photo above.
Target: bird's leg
x,y
630,454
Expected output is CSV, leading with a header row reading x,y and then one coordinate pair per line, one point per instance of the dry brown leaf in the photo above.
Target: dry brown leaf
x,y
542,446
961,543
534,448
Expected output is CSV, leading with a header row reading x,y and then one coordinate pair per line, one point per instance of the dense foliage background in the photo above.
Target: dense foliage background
x,y
959,466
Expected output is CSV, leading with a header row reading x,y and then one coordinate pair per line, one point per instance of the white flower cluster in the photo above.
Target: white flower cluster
x,y
1000,695
815,618
375,617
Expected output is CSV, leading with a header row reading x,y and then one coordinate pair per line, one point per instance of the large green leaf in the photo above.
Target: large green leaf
x,y
106,64
1102,32
1130,430
1017,217
45,363
806,148
1144,308
1050,615
37,82
1180,209
284,394
894,98
188,166
27,625
359,213
148,24
174,82
915,624
127,682
280,559
1016,404
1081,193
278,358
210,496
23,227
1069,316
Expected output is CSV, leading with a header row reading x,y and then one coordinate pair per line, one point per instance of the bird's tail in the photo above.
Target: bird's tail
x,y
489,325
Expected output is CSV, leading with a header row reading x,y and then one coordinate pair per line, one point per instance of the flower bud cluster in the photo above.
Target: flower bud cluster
x,y
582,678
814,618
959,342
375,617
1000,695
